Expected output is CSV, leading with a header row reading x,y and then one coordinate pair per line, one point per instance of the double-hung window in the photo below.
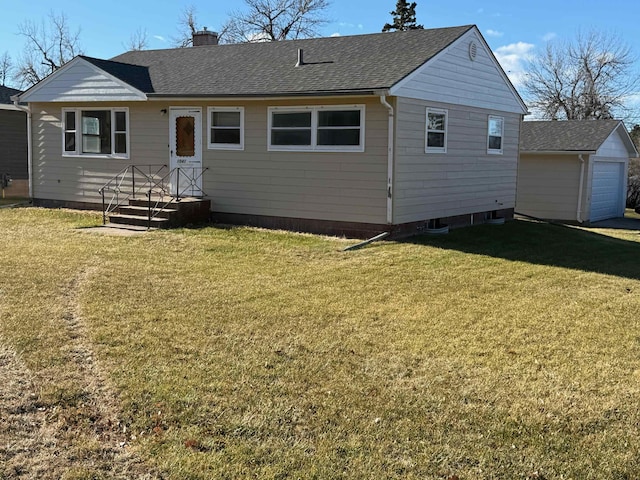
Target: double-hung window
x,y
226,128
321,128
495,134
96,132
436,134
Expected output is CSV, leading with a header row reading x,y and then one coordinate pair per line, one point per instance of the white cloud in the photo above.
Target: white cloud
x,y
549,36
160,37
337,34
513,58
494,33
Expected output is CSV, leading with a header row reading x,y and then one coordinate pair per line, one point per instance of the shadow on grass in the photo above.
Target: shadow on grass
x,y
545,244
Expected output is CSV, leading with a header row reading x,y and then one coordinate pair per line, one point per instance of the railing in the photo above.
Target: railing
x,y
159,187
170,186
126,184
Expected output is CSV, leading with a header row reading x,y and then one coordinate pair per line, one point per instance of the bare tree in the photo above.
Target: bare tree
x,y
139,40
6,68
272,20
49,46
633,181
589,78
187,26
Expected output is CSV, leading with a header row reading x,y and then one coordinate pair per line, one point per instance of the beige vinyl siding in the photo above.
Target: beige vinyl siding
x,y
338,186
462,181
77,179
548,186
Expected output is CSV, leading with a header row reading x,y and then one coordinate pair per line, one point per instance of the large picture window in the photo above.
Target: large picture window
x,y
226,128
322,128
495,134
94,132
436,134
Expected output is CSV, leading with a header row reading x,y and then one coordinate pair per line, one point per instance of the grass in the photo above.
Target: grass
x,y
493,352
630,213
12,201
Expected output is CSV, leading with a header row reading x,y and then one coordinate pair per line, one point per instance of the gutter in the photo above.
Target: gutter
x,y
579,211
390,149
27,110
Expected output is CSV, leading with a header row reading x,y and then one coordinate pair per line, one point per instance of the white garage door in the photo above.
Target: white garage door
x,y
606,192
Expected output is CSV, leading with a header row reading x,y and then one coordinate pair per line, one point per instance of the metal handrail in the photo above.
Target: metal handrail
x,y
122,190
153,186
163,187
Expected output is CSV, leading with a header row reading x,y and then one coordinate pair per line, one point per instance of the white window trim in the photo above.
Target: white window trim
x,y
314,147
225,146
427,148
78,150
495,151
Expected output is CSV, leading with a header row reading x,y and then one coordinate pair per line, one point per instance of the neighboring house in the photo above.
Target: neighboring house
x,y
574,170
344,135
13,145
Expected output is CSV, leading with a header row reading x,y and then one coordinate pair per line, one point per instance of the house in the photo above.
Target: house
x,y
574,170
13,146
343,135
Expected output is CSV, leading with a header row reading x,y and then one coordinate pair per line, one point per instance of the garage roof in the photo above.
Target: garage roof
x,y
570,135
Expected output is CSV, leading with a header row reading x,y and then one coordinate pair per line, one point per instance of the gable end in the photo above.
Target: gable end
x,y
465,73
81,81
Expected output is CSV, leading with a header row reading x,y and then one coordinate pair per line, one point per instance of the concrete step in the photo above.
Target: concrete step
x,y
138,220
160,202
143,211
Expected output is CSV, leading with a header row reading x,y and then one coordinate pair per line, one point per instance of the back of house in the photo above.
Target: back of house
x,y
343,135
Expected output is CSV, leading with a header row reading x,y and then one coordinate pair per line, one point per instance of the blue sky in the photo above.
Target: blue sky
x,y
513,28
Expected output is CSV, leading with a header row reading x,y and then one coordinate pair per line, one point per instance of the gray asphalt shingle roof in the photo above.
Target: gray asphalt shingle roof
x,y
561,135
332,65
6,93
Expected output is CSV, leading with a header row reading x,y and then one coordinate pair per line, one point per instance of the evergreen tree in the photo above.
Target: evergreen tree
x,y
404,17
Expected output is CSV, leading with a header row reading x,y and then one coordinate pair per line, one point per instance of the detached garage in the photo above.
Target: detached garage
x,y
574,170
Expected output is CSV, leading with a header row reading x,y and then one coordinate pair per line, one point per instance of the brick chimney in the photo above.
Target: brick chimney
x,y
205,37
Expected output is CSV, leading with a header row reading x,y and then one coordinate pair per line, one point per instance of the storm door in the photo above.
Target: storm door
x,y
185,142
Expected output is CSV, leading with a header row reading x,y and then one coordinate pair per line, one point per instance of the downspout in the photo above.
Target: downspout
x,y
579,212
390,148
27,110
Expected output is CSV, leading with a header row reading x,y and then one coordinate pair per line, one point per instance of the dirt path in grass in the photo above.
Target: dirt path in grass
x,y
81,438
27,442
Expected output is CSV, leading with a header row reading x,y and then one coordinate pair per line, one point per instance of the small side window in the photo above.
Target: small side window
x,y
436,132
120,133
226,128
70,131
495,134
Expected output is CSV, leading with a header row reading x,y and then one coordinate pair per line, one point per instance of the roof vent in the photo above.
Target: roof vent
x,y
205,37
473,51
300,58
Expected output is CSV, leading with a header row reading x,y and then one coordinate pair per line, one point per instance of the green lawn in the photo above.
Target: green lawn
x,y
506,351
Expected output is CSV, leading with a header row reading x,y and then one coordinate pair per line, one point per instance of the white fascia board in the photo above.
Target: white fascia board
x,y
4,106
135,94
557,152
